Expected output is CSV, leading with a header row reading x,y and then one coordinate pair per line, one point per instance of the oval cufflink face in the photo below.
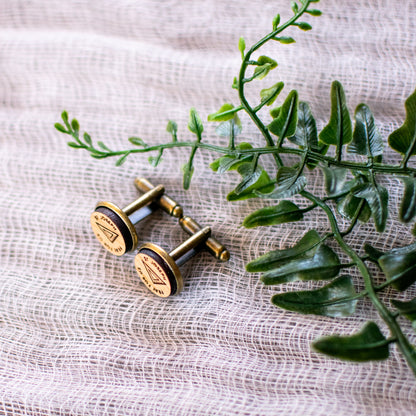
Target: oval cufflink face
x,y
156,273
110,231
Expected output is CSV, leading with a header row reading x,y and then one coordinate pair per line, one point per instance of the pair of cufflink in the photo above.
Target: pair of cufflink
x,y
115,229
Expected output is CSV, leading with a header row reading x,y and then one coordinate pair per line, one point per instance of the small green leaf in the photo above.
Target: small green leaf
x,y
306,134
399,266
334,299
335,179
295,7
284,212
304,26
314,12
408,206
75,145
276,21
195,123
103,146
122,159
87,139
75,125
172,128
225,128
288,183
339,130
61,128
373,253
285,40
367,140
137,141
225,113
274,112
349,205
269,95
377,199
250,176
242,46
225,163
402,139
368,344
263,184
261,71
285,124
263,60
64,116
235,84
407,309
324,265
306,247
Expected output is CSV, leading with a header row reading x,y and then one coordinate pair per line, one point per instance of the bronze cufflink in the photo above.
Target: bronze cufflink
x,y
159,270
115,227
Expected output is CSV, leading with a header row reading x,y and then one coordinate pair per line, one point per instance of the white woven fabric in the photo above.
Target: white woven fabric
x,y
79,333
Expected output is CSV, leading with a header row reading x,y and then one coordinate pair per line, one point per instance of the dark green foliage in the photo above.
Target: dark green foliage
x,y
350,160
335,299
403,139
368,344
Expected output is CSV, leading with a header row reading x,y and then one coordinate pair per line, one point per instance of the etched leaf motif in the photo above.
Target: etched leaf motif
x,y
367,140
368,344
335,299
339,130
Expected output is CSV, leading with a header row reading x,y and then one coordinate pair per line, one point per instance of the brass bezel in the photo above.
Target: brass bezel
x,y
124,218
169,261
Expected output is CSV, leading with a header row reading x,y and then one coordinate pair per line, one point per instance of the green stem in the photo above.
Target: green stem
x,y
403,343
242,79
328,160
409,153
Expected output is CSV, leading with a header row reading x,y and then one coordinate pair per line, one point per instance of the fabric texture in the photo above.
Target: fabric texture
x,y
79,333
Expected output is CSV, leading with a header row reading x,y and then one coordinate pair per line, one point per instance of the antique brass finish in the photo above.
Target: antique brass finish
x,y
159,270
115,227
165,202
189,225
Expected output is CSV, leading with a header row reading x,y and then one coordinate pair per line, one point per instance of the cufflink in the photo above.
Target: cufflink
x,y
159,269
114,227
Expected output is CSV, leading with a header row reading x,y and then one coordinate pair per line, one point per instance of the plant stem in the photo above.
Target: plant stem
x,y
242,79
406,348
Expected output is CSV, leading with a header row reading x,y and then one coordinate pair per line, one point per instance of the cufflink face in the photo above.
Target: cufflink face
x,y
158,271
113,228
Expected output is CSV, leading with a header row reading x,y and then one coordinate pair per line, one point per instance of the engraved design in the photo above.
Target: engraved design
x,y
111,235
152,275
156,280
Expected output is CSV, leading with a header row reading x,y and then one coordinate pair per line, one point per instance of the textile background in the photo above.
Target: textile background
x,y
79,333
